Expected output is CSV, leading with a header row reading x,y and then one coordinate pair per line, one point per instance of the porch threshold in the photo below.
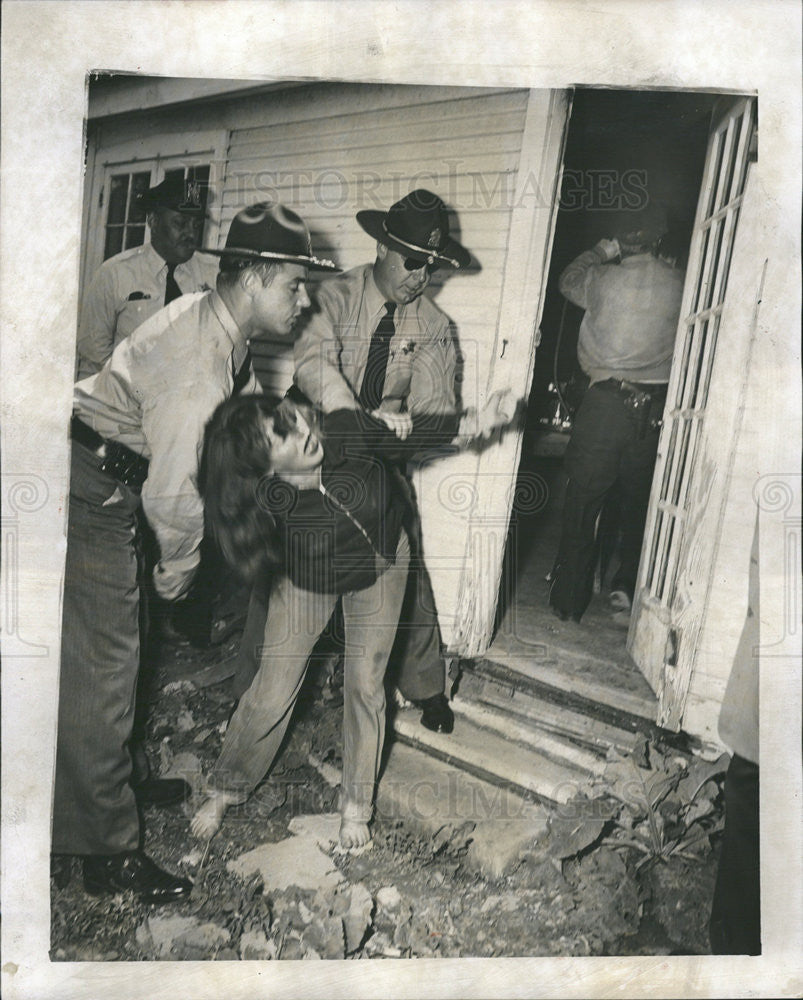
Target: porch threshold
x,y
594,713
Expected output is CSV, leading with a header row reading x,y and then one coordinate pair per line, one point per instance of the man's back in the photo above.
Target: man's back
x,y
631,318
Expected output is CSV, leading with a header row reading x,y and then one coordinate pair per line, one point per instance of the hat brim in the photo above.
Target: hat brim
x,y
451,254
313,263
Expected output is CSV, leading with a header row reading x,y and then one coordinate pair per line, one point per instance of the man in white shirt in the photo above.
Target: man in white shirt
x,y
133,285
136,433
632,295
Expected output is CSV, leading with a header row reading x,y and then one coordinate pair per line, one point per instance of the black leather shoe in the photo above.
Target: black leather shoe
x,y
161,792
437,715
133,871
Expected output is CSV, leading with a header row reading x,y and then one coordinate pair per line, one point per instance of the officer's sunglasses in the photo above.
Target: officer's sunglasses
x,y
411,264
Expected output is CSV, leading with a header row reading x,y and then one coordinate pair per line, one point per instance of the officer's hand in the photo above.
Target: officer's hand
x,y
610,248
400,423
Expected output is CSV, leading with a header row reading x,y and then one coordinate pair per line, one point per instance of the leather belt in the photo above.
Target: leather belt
x,y
622,385
83,434
118,461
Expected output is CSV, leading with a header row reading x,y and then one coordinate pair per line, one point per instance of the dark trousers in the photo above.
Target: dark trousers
x,y
416,666
94,809
607,448
735,927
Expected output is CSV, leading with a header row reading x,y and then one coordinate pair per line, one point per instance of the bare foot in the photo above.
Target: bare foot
x,y
208,818
353,834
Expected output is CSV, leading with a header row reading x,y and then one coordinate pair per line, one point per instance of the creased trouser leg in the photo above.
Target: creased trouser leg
x,y
94,809
601,433
371,619
295,619
416,655
247,662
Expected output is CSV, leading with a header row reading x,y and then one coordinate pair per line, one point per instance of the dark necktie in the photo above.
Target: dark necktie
x,y
172,291
373,381
242,374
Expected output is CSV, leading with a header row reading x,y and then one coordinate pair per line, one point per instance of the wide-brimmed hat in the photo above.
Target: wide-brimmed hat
x,y
268,231
176,193
418,227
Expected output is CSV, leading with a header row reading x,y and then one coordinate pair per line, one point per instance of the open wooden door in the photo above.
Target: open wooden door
x,y
484,494
690,479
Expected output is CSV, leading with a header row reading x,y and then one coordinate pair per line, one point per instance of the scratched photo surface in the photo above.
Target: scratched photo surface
x,y
612,567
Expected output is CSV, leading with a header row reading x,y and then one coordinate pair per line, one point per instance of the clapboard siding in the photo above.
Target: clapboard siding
x,y
415,105
331,150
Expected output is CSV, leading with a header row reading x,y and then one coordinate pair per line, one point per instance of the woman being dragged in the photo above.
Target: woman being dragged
x,y
288,489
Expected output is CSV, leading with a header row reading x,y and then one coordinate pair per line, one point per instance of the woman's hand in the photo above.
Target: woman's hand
x,y
498,411
400,423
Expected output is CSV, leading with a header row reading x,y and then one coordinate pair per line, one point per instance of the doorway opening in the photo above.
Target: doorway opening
x,y
622,148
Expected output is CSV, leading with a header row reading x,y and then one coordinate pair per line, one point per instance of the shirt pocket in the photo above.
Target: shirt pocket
x,y
133,314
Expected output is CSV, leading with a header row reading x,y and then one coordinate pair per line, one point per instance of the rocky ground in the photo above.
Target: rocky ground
x,y
630,872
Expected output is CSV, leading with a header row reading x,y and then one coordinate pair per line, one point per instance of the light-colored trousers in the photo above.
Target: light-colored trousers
x,y
295,620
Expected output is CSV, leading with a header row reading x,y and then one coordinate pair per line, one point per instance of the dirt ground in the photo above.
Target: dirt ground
x,y
593,890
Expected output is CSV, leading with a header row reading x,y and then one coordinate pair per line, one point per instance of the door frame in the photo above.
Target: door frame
x,y
512,362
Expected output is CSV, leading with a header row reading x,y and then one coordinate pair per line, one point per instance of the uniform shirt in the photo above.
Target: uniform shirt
x,y
155,395
632,310
126,290
331,353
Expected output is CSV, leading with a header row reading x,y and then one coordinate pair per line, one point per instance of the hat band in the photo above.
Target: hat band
x,y
426,251
242,252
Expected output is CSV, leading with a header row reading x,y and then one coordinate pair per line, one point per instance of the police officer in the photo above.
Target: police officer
x,y
133,285
136,434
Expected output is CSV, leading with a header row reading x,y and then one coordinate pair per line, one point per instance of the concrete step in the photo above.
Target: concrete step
x,y
488,744
436,799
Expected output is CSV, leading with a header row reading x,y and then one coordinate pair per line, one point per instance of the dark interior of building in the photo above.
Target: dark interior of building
x,y
622,147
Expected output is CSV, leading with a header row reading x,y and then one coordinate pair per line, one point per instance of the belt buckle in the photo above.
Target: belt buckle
x,y
124,466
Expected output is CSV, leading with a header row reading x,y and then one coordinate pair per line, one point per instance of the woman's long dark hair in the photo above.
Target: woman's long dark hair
x,y
234,482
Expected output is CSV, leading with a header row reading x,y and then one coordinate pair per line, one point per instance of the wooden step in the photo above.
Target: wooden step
x,y
547,697
579,676
523,730
574,682
537,766
527,706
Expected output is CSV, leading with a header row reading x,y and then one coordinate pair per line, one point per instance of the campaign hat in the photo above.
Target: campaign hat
x,y
416,226
177,193
270,231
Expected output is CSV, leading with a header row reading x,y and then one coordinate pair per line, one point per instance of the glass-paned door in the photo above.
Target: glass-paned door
x,y
125,218
656,640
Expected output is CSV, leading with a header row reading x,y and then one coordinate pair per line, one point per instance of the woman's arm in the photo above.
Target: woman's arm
x,y
358,432
366,433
